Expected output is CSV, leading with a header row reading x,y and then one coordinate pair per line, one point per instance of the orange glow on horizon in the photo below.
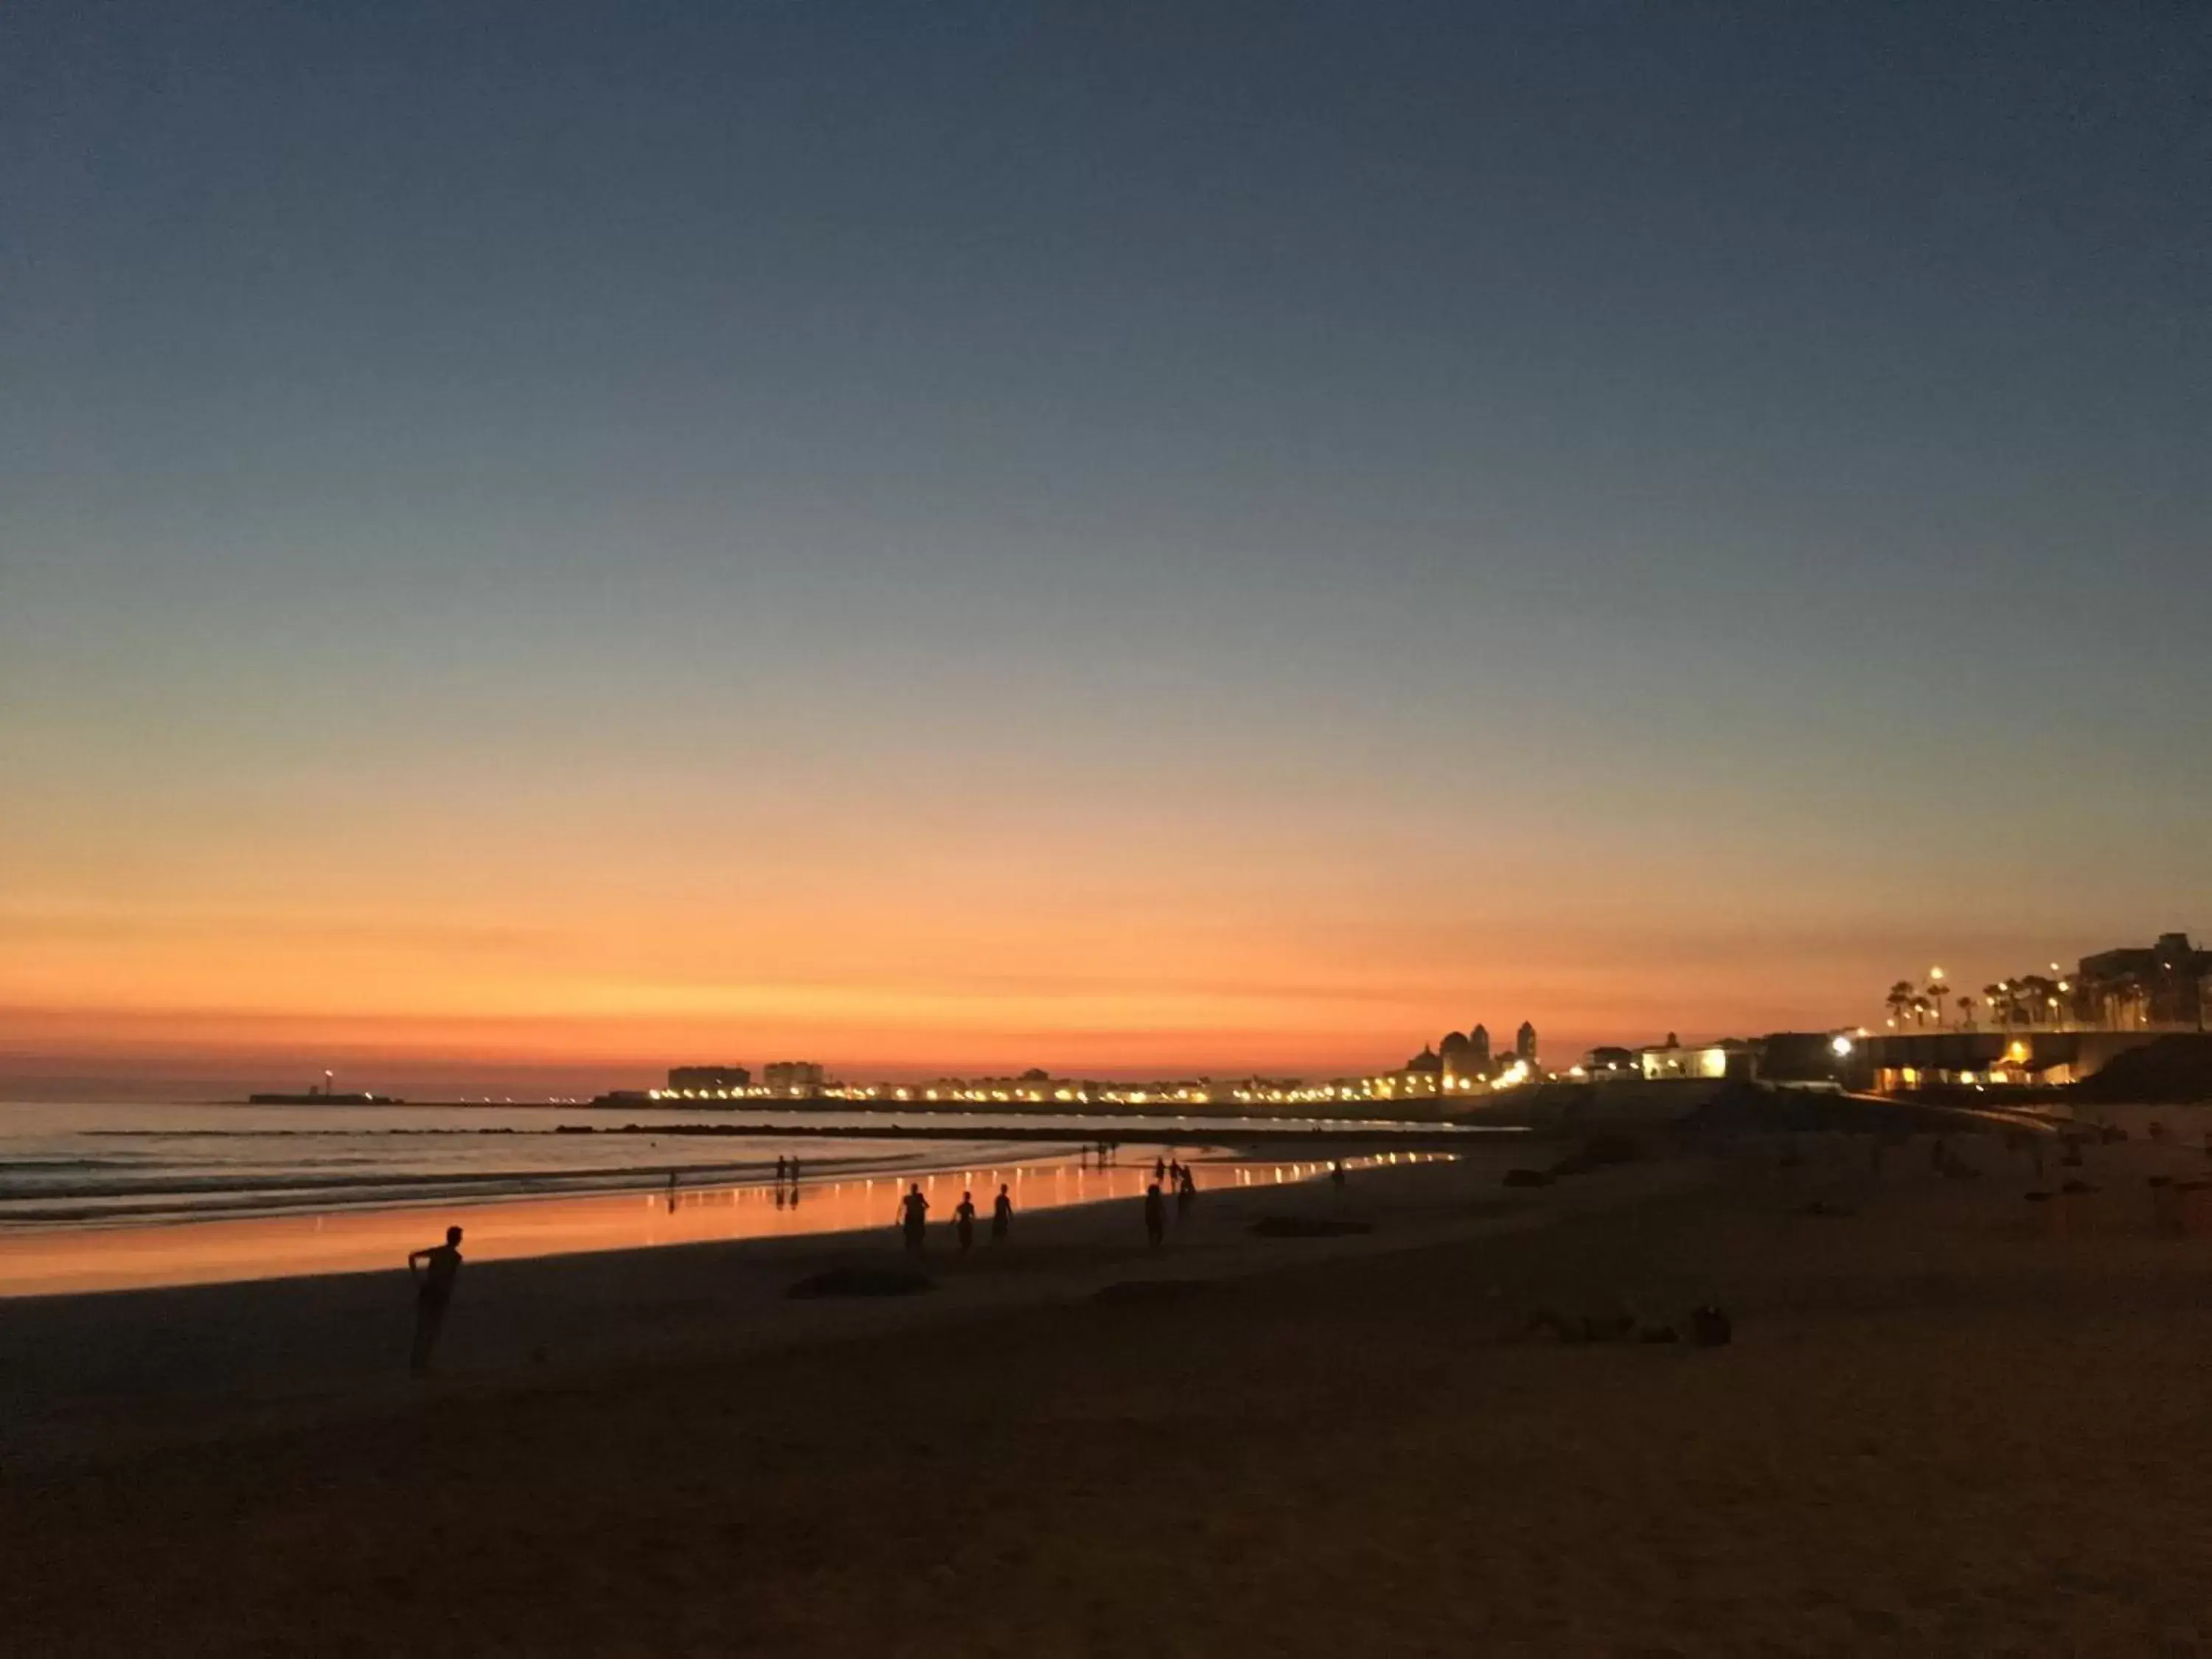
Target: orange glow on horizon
x,y
605,942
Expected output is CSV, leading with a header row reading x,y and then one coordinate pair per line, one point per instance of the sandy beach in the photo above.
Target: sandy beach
x,y
1951,1421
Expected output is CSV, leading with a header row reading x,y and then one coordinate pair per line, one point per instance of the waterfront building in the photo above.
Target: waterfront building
x,y
2168,984
709,1080
792,1076
1730,1057
1611,1061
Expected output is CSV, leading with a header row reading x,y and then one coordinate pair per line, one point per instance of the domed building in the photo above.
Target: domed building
x,y
1460,1068
1478,1045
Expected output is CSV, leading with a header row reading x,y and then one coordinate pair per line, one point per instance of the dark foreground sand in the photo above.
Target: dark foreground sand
x,y
1940,1431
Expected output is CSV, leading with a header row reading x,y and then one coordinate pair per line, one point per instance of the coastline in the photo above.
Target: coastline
x,y
1947,1423
642,1213
92,1166
80,1369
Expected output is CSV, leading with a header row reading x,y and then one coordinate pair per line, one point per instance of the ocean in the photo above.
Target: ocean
x,y
78,1164
111,1198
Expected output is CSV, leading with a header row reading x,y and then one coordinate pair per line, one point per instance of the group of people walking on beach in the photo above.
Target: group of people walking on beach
x,y
914,1218
436,1269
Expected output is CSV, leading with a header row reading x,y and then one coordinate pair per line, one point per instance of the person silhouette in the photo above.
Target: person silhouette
x,y
1159,1170
1185,1191
434,1271
779,1172
794,1180
963,1222
914,1217
1156,1214
1002,1215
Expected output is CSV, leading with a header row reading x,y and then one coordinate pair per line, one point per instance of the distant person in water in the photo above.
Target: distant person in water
x,y
1156,1214
963,1222
1159,1170
914,1218
1002,1215
434,1271
1185,1191
780,1167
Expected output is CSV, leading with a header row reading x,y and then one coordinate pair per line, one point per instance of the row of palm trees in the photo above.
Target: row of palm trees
x,y
1919,1006
2031,1000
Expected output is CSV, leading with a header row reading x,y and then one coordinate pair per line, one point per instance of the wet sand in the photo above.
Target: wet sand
x,y
60,1261
1948,1425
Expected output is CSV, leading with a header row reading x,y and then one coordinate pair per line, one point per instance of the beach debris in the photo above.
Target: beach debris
x,y
1585,1329
1146,1292
1710,1327
1600,1152
1308,1226
1949,1164
862,1281
1579,1329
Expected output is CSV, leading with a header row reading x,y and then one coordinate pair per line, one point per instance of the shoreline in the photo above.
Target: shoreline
x,y
306,1242
90,1368
1949,1421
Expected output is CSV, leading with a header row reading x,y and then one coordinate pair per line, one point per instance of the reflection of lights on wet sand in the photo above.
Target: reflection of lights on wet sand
x,y
354,1241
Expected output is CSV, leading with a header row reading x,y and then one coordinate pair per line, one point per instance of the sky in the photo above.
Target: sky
x,y
540,542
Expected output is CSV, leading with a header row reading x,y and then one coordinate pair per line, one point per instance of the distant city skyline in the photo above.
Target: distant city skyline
x,y
542,543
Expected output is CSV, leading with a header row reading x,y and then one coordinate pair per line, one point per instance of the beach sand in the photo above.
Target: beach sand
x,y
1945,1426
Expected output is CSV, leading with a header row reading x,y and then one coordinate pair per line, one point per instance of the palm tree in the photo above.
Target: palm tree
x,y
1993,995
1965,1013
1936,992
1899,1000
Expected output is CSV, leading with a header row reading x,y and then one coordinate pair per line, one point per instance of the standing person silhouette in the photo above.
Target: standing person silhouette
x,y
963,1222
434,1271
779,1174
1185,1191
1002,1216
1159,1169
1156,1214
914,1218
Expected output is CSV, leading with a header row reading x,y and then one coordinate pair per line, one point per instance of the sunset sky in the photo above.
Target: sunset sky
x,y
539,541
